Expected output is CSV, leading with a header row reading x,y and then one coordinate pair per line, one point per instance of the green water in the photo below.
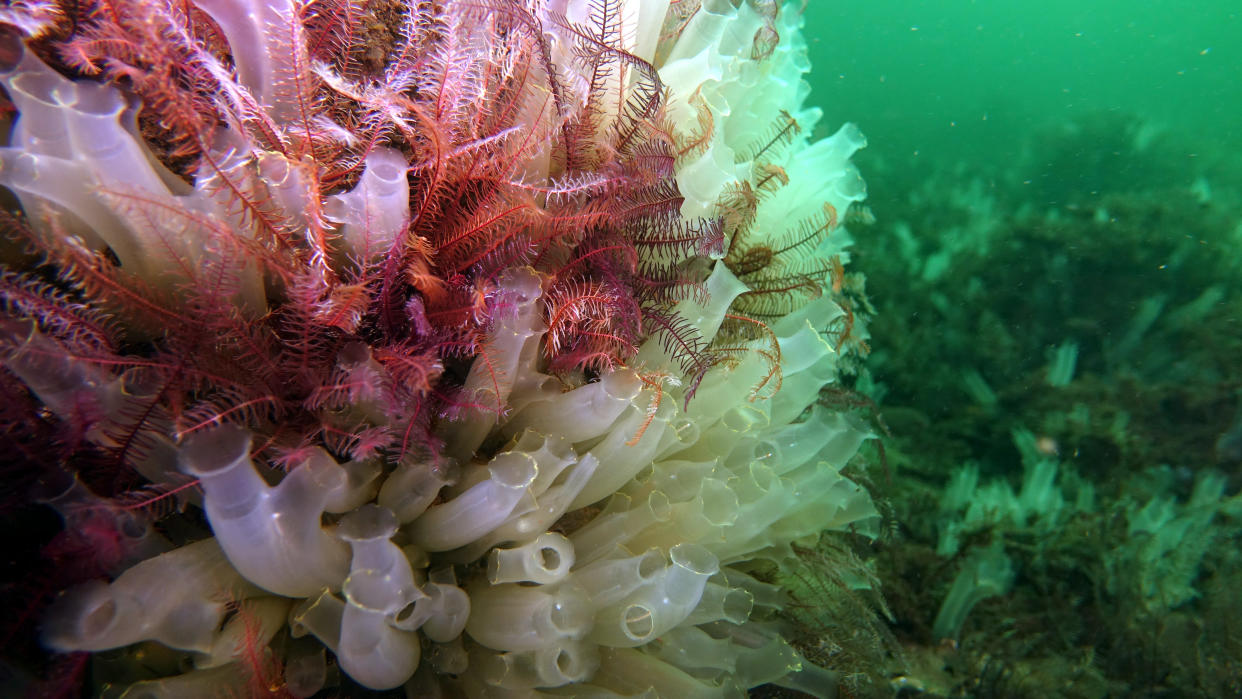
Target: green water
x,y
937,79
1056,281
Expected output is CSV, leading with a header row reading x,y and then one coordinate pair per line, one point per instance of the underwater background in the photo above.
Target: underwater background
x,y
968,80
1054,270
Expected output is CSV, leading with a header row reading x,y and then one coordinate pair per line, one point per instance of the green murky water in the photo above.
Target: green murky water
x,y
967,79
1057,343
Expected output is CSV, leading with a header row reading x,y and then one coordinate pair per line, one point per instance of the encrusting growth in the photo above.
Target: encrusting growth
x,y
485,334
